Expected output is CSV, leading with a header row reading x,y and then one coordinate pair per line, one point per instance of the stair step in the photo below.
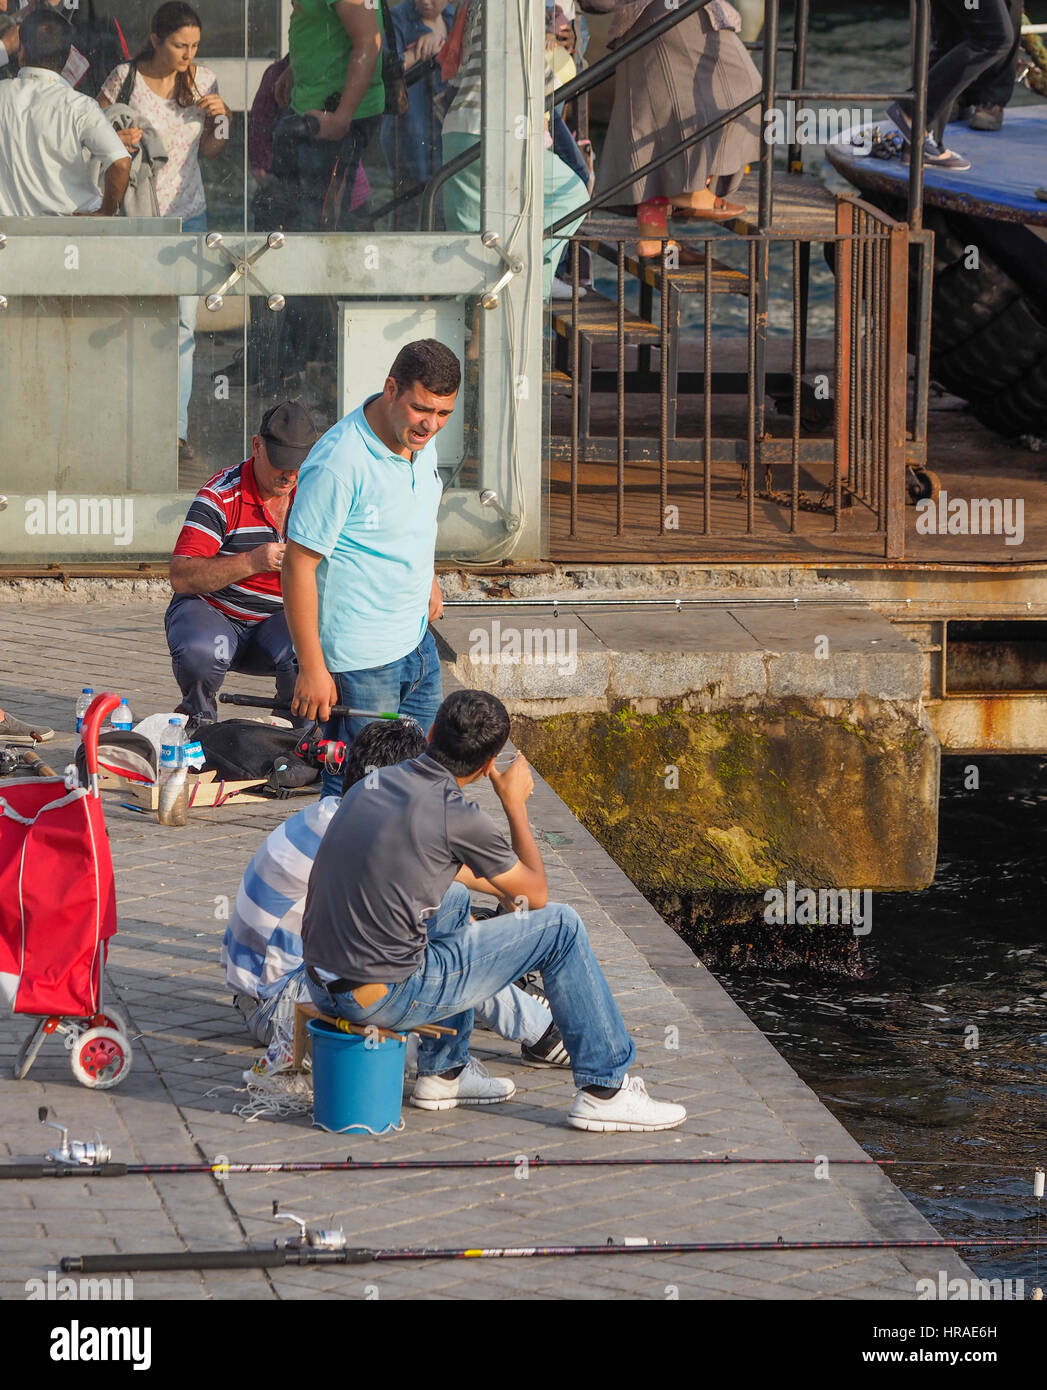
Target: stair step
x,y
686,279
598,317
559,383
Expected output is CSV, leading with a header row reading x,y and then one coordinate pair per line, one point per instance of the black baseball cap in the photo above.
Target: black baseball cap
x,y
289,434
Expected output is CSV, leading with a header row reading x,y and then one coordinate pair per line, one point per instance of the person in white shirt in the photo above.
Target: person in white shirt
x,y
45,128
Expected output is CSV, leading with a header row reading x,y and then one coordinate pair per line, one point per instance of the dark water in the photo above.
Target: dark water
x,y
886,1052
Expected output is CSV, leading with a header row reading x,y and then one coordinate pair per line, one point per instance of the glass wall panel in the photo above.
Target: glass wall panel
x,y
269,255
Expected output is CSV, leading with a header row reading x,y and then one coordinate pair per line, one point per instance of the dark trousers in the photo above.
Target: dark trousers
x,y
205,645
994,86
316,184
981,39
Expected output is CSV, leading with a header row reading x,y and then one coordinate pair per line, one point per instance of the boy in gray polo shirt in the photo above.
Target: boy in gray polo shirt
x,y
387,943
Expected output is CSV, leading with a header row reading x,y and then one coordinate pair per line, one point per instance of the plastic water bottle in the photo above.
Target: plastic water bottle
x,y
122,719
83,701
172,802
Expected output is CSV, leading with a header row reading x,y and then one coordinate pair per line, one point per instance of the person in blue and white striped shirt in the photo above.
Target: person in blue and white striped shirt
x,y
262,948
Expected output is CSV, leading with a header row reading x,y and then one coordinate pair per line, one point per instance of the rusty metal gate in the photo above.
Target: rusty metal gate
x,y
705,472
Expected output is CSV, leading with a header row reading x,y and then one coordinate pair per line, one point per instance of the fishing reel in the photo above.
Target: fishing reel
x,y
313,750
86,1152
313,1237
318,751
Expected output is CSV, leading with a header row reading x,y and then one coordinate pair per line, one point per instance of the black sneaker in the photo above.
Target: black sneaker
x,y
986,118
531,984
548,1051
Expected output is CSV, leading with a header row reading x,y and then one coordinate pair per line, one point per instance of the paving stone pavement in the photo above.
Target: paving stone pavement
x,y
694,1046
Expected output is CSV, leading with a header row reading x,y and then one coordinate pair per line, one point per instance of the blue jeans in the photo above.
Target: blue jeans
x,y
467,962
187,307
412,685
512,1012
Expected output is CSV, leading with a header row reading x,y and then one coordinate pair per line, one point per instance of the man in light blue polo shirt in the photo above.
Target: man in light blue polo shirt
x,y
358,579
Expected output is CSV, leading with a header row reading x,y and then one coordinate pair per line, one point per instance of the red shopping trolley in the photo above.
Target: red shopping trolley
x,y
57,913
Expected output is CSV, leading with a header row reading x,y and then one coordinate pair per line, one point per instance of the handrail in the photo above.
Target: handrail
x,y
584,82
768,97
801,23
609,194
445,172
603,67
921,54
769,94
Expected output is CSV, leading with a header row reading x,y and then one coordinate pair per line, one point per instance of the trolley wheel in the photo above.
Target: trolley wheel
x,y
921,483
100,1058
109,1018
28,1051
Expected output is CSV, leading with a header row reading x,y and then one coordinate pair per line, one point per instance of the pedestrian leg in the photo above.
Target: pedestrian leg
x,y
270,650
203,644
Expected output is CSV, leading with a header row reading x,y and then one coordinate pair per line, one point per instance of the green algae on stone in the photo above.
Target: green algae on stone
x,y
740,800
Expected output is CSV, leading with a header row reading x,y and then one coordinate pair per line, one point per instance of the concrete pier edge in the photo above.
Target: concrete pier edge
x,y
190,1049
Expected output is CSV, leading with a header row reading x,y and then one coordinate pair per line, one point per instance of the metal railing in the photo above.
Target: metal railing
x,y
770,94
838,468
771,45
871,440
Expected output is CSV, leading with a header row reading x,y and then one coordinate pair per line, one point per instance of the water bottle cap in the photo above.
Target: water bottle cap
x,y
87,690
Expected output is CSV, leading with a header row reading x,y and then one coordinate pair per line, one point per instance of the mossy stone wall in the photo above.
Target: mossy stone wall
x,y
742,799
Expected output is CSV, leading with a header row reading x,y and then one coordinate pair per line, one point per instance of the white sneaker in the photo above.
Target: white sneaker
x,y
631,1109
472,1086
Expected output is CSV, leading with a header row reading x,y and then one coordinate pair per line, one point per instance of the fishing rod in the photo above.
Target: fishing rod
x,y
337,711
90,1168
324,1254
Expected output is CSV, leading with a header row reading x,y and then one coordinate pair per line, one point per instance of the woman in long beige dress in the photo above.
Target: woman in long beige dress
x,y
696,71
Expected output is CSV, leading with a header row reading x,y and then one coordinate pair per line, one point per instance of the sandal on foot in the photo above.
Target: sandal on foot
x,y
721,211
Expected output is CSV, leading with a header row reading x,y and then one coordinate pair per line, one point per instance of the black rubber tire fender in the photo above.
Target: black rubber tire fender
x,y
1021,410
968,301
997,357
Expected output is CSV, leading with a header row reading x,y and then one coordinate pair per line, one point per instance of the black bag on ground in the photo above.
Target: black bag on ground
x,y
243,749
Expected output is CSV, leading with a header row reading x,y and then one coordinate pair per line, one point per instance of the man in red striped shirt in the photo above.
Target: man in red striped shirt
x,y
228,609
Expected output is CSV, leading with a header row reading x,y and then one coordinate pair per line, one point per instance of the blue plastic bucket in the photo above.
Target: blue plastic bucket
x,y
358,1082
